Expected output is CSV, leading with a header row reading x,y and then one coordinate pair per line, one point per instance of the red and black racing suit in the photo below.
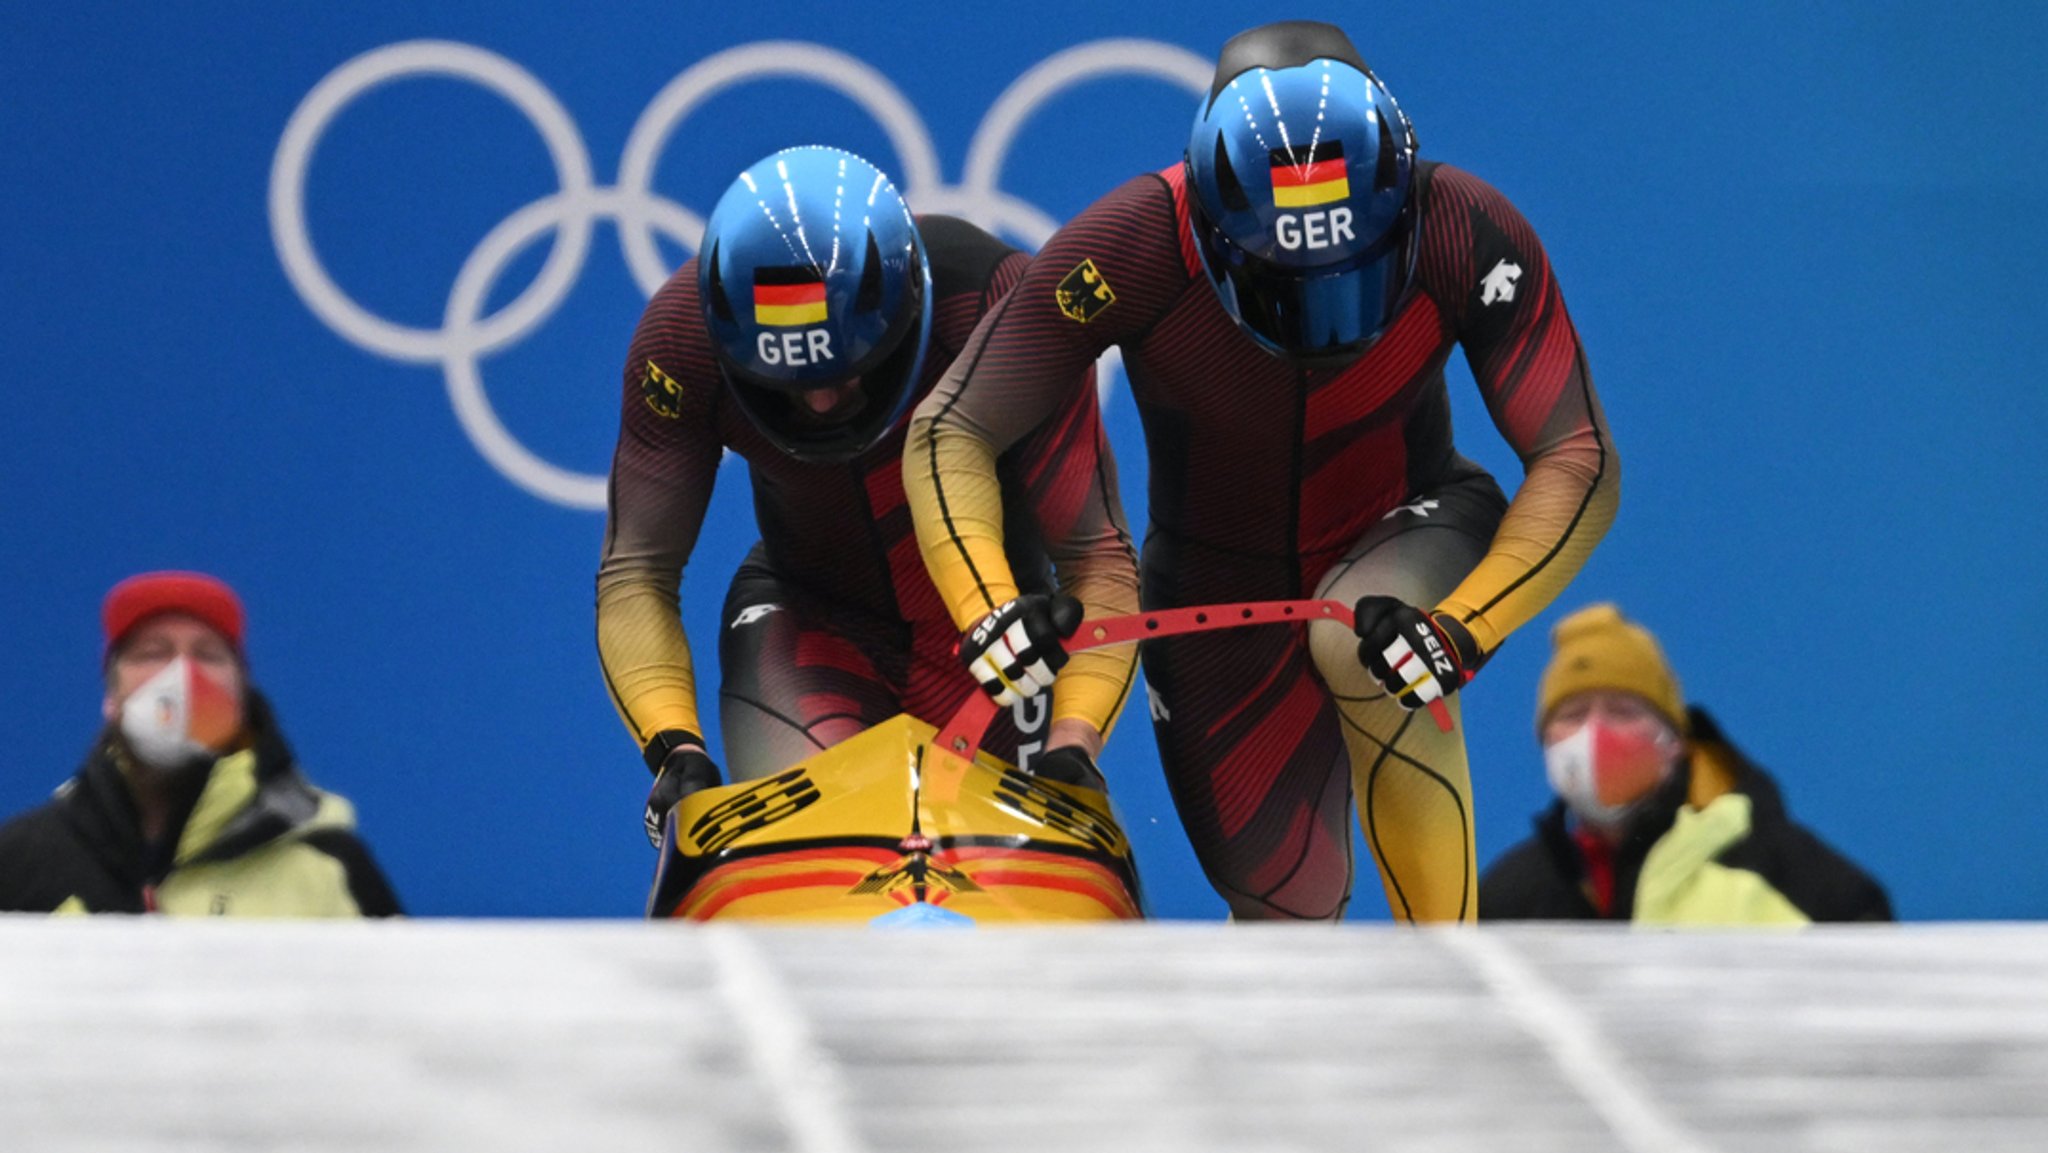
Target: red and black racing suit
x,y
1270,480
831,624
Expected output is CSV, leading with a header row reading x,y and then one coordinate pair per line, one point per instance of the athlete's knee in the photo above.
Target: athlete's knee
x,y
1334,647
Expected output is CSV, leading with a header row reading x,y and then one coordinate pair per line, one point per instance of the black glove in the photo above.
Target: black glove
x,y
1069,765
680,768
1015,651
1417,657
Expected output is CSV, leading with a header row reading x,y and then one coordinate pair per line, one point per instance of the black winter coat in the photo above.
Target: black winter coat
x,y
1739,859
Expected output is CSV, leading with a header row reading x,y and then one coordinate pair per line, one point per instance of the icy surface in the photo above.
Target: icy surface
x,y
130,1034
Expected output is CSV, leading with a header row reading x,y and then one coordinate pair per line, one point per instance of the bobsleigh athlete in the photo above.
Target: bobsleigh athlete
x,y
1286,298
817,313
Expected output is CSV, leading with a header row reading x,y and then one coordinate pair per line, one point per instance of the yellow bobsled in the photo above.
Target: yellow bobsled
x,y
890,827
907,824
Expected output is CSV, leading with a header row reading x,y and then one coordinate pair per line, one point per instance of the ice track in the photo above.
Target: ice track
x,y
127,1034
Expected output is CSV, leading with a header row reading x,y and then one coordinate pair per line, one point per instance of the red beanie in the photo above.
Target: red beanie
x,y
152,594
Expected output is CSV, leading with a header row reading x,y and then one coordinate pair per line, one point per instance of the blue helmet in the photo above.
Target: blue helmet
x,y
1302,169
812,277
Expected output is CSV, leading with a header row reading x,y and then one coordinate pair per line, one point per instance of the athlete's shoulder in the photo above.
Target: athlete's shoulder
x,y
1440,181
1139,227
1467,228
1448,190
672,328
1141,207
670,366
674,308
1148,201
964,256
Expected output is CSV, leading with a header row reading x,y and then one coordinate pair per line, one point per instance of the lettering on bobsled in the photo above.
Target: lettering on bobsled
x,y
1026,796
773,799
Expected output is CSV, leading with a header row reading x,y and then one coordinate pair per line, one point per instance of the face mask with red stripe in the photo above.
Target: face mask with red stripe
x,y
178,716
1602,771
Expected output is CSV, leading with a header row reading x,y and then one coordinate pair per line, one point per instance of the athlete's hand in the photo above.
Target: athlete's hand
x,y
1069,765
683,771
1015,651
1418,657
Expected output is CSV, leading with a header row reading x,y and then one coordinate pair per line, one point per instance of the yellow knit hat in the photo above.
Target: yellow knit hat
x,y
1598,648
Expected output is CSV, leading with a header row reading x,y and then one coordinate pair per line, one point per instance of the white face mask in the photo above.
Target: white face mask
x,y
1603,772
178,716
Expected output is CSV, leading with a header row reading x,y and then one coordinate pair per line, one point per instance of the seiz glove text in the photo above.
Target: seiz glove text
x,y
1015,651
1417,657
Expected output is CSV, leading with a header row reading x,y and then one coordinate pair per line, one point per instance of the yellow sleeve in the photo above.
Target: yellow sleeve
x,y
1020,399
646,656
1069,478
662,475
1094,284
956,504
1565,504
1069,481
1531,371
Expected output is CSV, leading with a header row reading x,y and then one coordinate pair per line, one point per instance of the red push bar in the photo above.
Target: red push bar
x,y
962,734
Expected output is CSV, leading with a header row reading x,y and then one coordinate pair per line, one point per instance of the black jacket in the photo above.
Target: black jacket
x,y
1731,856
256,839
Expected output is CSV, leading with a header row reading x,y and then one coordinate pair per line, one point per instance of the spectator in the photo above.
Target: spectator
x,y
190,802
1659,818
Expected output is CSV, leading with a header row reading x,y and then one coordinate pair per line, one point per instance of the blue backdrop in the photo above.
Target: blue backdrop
x,y
296,298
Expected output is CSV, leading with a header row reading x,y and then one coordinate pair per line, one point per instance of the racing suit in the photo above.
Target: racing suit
x,y
831,624
1273,479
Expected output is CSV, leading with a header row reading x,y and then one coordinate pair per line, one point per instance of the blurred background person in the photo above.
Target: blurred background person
x,y
190,802
1660,819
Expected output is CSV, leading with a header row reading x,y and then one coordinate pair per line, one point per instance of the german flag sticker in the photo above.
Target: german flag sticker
x,y
789,297
1306,177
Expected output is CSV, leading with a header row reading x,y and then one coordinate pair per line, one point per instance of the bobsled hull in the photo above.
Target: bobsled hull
x,y
887,827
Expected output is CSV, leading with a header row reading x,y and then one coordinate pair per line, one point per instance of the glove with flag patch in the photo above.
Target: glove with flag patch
x,y
1015,651
681,767
1417,657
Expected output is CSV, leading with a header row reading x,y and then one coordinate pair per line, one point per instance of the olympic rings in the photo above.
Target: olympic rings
x,y
637,211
